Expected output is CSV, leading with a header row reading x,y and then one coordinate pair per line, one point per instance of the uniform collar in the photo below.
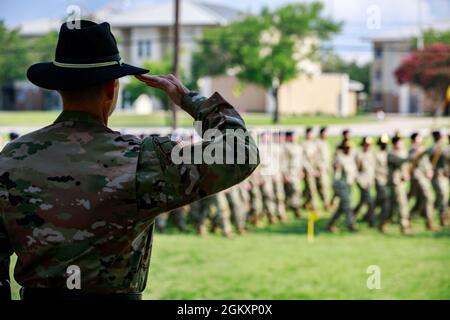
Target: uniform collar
x,y
78,116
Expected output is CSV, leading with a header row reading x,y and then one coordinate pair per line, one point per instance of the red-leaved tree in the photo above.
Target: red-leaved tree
x,y
429,69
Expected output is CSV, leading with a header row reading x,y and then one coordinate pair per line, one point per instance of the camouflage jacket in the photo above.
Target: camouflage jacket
x,y
398,165
78,193
365,163
323,156
345,170
421,169
381,167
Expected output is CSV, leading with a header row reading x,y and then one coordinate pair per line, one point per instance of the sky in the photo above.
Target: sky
x,y
351,44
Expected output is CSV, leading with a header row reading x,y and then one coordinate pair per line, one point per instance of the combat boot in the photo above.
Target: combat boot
x,y
429,225
352,228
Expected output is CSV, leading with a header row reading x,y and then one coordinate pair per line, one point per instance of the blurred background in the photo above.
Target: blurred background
x,y
371,66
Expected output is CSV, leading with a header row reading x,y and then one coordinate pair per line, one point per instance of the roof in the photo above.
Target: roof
x,y
191,13
407,33
195,13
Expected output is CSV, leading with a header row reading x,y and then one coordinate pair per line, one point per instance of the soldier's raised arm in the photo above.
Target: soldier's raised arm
x,y
165,181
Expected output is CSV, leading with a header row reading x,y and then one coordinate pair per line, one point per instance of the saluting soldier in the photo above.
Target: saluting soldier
x,y
381,176
365,163
440,161
78,193
344,176
421,175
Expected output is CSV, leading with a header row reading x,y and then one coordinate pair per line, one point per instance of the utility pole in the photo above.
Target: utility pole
x,y
420,40
176,52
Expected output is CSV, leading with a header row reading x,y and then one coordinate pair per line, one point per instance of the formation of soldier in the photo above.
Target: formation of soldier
x,y
310,177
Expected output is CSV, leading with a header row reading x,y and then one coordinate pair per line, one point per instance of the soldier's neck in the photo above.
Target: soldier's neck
x,y
93,109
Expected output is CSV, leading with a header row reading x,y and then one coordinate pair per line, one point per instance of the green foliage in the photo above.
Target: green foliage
x,y
432,36
262,49
333,63
14,58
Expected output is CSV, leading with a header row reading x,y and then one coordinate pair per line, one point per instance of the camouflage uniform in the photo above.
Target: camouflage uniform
x,y
237,208
345,172
178,216
440,161
78,193
365,163
398,175
292,175
381,182
267,169
309,166
255,197
278,183
421,174
323,163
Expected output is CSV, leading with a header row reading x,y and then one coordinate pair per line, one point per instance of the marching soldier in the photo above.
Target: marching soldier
x,y
268,168
398,175
277,177
365,163
309,167
381,176
293,172
78,193
237,208
344,176
323,167
421,175
440,161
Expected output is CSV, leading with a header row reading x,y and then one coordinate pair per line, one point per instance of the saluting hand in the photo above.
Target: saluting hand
x,y
167,83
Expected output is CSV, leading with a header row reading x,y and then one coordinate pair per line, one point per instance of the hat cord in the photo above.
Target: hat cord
x,y
87,65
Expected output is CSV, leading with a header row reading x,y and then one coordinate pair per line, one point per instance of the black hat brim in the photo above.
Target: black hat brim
x,y
48,76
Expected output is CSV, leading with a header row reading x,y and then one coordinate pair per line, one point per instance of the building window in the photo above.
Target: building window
x,y
144,48
378,75
378,52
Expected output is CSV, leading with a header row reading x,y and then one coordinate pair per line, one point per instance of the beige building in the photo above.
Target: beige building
x,y
331,94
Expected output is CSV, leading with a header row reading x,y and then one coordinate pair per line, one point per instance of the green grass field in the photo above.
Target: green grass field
x,y
37,118
277,262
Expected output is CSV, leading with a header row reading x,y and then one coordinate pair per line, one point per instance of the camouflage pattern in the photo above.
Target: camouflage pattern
x,y
323,162
78,193
278,182
237,206
381,182
268,168
309,166
421,174
398,175
292,170
345,173
365,163
439,156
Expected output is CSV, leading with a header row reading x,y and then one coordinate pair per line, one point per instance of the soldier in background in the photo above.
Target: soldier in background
x,y
293,172
237,207
381,176
215,209
421,175
268,168
277,176
398,175
323,163
440,161
343,179
309,166
365,164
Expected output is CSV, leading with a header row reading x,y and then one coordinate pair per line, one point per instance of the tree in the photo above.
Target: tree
x,y
432,36
359,72
265,49
429,69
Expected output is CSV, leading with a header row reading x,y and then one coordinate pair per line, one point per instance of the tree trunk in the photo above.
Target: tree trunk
x,y
276,111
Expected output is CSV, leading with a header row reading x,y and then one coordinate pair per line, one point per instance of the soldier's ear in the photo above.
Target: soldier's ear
x,y
110,88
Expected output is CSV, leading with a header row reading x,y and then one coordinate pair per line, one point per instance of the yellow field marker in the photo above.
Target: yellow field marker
x,y
312,218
